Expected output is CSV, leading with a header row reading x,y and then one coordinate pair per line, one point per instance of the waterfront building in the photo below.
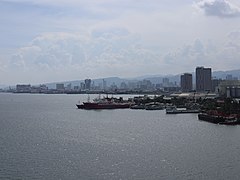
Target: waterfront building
x,y
23,88
186,82
42,88
60,86
229,88
233,92
76,88
69,87
203,79
215,84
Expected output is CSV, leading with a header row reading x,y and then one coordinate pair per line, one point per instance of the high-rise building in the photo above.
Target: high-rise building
x,y
165,82
88,84
104,85
82,86
203,79
186,82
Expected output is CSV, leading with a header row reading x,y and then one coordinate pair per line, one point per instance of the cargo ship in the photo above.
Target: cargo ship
x,y
105,103
218,118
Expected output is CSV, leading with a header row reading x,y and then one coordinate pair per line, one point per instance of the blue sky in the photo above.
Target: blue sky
x,y
56,40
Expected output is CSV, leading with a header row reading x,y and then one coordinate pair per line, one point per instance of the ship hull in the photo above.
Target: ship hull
x,y
181,111
103,106
218,119
210,118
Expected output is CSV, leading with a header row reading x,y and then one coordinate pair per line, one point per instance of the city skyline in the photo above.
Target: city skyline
x,y
218,75
205,82
66,40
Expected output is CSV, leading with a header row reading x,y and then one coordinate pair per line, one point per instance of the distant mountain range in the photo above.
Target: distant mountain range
x,y
223,74
156,79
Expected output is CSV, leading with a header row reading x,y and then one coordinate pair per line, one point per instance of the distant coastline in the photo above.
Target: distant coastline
x,y
149,84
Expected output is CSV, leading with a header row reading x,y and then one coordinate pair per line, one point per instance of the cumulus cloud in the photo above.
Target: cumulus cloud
x,y
2,66
117,52
235,35
219,8
199,53
190,54
113,51
230,52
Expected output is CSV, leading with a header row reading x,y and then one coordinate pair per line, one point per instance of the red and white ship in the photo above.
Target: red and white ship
x,y
105,103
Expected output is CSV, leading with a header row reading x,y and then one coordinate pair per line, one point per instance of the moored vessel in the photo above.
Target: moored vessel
x,y
154,106
218,118
137,106
105,103
175,110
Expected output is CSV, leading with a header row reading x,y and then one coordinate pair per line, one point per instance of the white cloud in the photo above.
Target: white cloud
x,y
72,39
117,52
218,56
2,66
235,35
219,8
230,52
188,57
101,53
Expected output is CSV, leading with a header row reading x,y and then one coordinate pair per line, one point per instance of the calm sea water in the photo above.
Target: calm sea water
x,y
46,137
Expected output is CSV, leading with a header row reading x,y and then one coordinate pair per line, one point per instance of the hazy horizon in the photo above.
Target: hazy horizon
x,y
60,40
220,74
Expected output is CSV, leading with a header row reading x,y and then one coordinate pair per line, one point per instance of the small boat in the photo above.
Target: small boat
x,y
175,110
154,106
137,106
231,122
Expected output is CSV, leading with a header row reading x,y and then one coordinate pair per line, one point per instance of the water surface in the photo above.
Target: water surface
x,y
46,137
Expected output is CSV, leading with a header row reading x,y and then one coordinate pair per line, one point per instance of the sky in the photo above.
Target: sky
x,y
58,40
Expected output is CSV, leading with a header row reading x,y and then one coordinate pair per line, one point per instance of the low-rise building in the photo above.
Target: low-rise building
x,y
229,88
23,88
